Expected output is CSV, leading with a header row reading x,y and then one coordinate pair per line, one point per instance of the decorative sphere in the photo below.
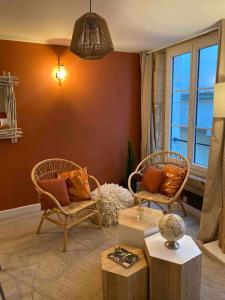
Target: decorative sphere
x,y
171,227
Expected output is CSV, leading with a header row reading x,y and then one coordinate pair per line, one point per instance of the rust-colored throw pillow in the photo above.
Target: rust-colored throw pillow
x,y
77,184
57,187
4,126
174,177
3,115
152,179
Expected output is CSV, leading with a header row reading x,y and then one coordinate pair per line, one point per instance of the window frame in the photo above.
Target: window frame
x,y
193,46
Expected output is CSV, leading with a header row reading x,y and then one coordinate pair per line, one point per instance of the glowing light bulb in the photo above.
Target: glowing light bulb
x,y
61,73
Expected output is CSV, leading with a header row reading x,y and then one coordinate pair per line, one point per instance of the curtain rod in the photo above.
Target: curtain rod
x,y
185,40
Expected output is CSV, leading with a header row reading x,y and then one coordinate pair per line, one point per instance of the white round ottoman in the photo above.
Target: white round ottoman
x,y
113,198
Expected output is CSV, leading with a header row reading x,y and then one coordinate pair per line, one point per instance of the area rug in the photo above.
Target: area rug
x,y
34,266
77,274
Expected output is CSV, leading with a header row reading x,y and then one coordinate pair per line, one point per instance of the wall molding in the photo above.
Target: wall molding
x,y
60,43
20,210
36,208
192,210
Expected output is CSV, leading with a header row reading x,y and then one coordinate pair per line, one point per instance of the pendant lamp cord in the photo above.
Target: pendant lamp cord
x,y
90,5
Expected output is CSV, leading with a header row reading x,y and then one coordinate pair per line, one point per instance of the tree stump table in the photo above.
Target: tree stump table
x,y
120,283
174,274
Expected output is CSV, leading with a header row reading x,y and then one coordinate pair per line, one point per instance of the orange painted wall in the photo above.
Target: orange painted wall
x,y
88,119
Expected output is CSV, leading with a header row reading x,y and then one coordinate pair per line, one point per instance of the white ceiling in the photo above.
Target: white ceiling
x,y
134,24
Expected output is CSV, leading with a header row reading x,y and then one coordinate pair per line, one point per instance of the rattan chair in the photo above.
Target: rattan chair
x,y
2,293
1,289
160,159
75,212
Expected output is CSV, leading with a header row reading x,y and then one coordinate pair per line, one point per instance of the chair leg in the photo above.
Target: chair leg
x,y
65,235
65,240
2,293
41,222
183,208
98,216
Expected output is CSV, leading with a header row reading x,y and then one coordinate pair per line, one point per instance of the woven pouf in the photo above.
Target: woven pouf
x,y
113,198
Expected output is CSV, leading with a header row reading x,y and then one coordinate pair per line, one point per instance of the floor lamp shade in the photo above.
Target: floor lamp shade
x,y
219,100
91,37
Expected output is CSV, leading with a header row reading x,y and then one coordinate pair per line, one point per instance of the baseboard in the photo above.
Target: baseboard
x,y
193,211
214,250
20,210
36,207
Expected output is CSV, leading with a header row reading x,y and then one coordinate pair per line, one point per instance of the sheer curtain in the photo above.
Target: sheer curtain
x,y
152,102
147,122
213,211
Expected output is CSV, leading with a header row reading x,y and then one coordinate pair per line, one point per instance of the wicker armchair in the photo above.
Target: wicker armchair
x,y
2,293
75,212
1,289
159,159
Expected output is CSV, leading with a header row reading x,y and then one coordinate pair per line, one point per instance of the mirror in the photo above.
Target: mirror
x,y
8,119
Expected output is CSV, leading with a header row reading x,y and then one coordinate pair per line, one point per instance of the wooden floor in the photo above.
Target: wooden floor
x,y
35,268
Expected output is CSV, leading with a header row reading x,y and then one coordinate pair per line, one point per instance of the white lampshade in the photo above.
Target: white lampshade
x,y
219,100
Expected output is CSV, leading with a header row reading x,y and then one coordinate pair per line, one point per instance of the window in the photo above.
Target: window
x,y
204,103
191,73
180,94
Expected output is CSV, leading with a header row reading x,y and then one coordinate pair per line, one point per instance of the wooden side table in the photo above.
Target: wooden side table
x,y
174,274
120,283
133,231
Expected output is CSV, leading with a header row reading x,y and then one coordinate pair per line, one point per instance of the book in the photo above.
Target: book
x,y
123,257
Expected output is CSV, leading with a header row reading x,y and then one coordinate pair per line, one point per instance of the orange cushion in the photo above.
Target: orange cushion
x,y
77,184
174,177
152,179
57,187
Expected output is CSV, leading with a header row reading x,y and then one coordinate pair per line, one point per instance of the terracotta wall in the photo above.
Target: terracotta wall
x,y
88,119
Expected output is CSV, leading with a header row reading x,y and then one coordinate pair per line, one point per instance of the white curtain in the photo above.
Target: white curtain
x,y
213,214
147,122
159,98
152,102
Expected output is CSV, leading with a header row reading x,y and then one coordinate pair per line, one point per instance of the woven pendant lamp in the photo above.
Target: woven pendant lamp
x,y
91,37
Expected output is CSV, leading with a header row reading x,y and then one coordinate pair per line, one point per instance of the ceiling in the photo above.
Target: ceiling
x,y
134,24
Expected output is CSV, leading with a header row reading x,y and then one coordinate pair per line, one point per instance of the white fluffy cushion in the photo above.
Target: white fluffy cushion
x,y
113,198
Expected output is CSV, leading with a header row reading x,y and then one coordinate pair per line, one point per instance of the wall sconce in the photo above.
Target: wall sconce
x,y
61,73
219,100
